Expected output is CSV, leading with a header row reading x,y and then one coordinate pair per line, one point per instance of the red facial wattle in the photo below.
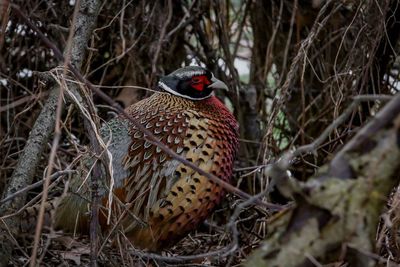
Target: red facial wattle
x,y
198,82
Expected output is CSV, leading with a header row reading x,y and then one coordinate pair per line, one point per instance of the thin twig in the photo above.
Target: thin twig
x,y
285,161
54,176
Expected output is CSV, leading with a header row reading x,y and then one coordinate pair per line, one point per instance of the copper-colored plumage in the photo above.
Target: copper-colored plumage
x,y
164,199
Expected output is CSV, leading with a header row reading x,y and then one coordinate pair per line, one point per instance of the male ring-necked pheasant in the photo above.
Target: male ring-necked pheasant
x,y
163,199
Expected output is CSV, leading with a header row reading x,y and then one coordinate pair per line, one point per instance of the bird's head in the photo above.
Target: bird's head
x,y
192,82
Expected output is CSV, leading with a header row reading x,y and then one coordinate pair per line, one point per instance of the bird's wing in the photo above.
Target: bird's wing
x,y
180,198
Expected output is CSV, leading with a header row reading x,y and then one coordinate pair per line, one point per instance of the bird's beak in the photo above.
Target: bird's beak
x,y
217,84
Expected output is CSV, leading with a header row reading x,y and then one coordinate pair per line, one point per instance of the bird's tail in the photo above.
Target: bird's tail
x,y
29,217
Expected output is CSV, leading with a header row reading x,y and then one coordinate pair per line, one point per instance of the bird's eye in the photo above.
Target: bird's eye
x,y
196,80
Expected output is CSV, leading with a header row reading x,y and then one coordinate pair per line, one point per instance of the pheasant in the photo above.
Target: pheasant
x,y
162,199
